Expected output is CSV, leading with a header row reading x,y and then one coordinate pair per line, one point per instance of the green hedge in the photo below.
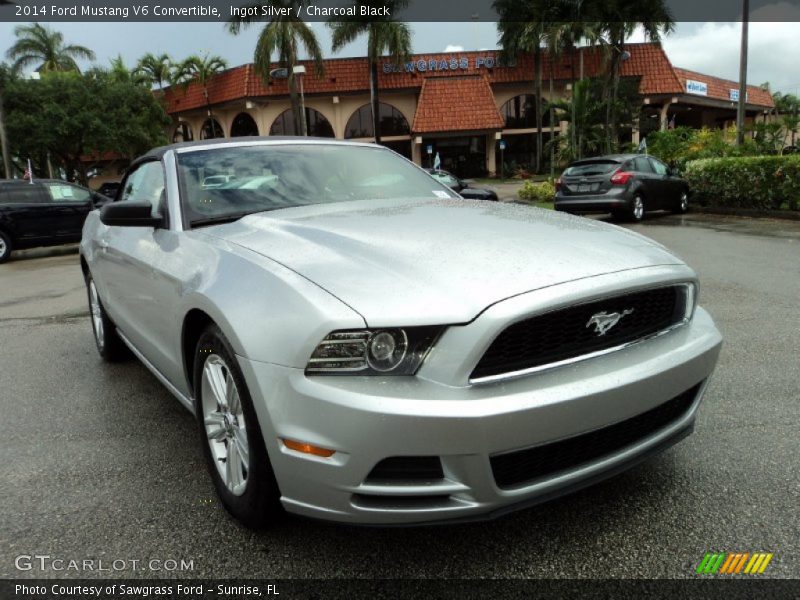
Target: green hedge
x,y
761,182
543,191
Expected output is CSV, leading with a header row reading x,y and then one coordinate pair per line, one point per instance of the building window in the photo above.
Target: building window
x,y
211,129
183,133
243,125
392,122
520,112
318,125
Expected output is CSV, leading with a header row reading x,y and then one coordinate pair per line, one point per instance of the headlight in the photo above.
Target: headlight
x,y
377,351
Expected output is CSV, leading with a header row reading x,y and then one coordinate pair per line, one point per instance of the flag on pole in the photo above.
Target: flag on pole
x,y
437,163
642,146
28,172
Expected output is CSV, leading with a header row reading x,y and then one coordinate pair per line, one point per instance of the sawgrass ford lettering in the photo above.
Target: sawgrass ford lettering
x,y
449,64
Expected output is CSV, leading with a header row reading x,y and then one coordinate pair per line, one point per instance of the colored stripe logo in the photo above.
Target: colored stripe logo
x,y
734,563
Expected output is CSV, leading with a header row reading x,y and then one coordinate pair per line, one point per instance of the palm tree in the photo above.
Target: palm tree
x,y
5,75
385,36
518,36
610,17
155,69
201,69
283,36
563,37
39,45
586,134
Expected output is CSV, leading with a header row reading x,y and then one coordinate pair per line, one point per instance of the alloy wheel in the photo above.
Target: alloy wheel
x,y
224,422
638,208
97,314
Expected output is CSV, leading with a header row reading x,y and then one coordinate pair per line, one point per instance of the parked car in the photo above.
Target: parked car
x,y
464,189
626,185
360,348
47,212
109,189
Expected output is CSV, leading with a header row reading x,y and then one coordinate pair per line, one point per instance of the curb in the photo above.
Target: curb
x,y
789,215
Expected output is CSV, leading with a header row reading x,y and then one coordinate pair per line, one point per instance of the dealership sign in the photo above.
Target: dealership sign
x,y
448,64
734,96
696,87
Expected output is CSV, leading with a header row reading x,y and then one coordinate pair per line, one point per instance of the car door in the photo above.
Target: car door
x,y
69,205
30,218
651,186
671,186
123,269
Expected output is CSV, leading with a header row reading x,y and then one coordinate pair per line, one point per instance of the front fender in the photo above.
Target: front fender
x,y
268,312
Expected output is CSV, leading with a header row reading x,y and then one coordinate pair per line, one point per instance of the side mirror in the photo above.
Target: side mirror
x,y
130,214
98,200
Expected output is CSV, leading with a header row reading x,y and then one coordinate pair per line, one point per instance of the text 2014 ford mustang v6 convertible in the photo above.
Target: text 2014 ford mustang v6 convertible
x,y
360,344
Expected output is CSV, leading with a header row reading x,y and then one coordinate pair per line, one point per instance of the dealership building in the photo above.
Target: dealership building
x,y
466,106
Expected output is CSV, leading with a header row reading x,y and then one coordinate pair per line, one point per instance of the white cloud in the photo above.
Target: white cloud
x,y
713,48
453,48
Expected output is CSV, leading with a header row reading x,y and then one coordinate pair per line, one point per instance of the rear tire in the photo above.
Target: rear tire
x,y
233,446
5,247
109,345
637,209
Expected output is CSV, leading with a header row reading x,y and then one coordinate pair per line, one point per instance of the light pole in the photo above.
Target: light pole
x,y
742,75
301,70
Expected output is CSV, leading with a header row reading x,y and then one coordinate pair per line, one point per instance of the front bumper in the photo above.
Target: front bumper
x,y
368,419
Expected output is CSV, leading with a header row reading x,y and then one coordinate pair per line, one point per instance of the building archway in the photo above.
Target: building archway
x,y
243,125
392,122
211,129
317,124
182,133
520,112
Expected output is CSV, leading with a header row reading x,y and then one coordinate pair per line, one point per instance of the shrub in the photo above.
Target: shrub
x,y
762,182
544,191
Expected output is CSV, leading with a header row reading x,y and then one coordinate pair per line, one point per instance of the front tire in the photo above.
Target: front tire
x,y
5,247
233,446
682,205
109,345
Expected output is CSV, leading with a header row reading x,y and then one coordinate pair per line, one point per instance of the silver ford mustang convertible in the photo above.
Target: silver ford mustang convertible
x,y
360,344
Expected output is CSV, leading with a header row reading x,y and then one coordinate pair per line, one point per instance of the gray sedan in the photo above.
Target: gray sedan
x,y
359,344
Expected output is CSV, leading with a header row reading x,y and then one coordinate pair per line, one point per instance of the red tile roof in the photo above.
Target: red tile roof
x,y
720,88
463,103
351,75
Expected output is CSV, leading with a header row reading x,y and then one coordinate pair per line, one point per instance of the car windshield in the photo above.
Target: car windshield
x,y
227,182
591,168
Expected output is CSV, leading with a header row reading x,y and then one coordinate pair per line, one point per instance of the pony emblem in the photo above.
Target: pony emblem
x,y
604,321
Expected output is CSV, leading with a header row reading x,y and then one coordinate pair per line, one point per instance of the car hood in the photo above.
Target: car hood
x,y
440,261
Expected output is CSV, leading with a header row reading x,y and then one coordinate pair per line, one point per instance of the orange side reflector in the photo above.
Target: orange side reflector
x,y
308,448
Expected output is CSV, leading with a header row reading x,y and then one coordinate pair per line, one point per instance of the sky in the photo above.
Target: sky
x,y
711,48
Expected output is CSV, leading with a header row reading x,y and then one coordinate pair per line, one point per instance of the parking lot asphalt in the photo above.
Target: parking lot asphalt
x,y
100,462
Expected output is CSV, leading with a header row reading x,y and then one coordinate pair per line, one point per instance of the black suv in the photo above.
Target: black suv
x,y
47,212
626,185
